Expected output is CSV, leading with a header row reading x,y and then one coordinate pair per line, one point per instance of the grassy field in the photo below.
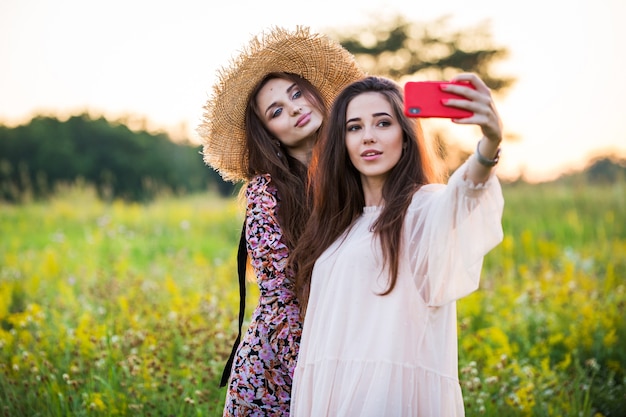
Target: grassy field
x,y
130,310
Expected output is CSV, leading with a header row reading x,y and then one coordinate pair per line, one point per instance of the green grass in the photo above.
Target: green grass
x,y
130,310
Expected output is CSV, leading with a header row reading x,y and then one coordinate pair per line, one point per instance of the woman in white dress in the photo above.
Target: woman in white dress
x,y
386,253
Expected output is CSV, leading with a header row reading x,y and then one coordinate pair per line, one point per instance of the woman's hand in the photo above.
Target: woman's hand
x,y
478,101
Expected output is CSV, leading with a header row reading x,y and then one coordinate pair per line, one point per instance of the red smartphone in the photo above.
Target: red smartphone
x,y
425,99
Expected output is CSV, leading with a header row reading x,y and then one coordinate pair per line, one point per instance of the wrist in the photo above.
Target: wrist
x,y
488,159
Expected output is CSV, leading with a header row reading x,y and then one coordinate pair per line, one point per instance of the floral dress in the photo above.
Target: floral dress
x,y
261,377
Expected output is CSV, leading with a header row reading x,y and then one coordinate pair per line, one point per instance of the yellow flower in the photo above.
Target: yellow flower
x,y
94,401
613,365
565,363
6,290
51,264
610,339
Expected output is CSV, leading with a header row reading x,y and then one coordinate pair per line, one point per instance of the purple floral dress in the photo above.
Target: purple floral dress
x,y
261,377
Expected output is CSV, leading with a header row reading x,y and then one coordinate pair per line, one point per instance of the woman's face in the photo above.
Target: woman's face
x,y
288,115
373,136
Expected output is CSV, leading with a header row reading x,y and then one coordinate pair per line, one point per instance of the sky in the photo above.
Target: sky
x,y
153,64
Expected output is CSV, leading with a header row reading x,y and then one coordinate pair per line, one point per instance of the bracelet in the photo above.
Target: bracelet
x,y
485,161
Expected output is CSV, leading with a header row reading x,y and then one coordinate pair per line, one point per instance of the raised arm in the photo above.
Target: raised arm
x,y
479,102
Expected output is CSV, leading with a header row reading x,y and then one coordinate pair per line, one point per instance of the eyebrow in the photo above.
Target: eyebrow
x,y
291,87
382,113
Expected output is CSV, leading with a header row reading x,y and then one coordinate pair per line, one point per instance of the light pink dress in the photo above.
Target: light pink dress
x,y
362,354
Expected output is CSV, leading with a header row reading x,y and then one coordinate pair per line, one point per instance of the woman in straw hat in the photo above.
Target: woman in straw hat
x,y
259,126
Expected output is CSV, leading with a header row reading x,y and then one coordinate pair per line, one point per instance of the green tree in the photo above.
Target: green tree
x,y
403,50
119,162
400,49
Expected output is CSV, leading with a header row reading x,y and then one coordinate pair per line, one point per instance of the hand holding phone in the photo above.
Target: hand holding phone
x,y
425,99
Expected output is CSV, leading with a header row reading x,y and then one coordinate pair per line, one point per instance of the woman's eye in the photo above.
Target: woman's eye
x,y
384,123
277,112
296,94
352,128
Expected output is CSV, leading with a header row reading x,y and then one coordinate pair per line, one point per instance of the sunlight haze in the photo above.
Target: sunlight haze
x,y
154,63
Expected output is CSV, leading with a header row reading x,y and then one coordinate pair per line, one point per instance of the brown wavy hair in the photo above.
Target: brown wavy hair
x,y
266,156
337,194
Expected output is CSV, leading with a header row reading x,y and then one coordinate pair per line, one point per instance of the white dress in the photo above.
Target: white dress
x,y
363,354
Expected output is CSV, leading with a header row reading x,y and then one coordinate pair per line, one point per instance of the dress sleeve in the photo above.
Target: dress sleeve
x,y
450,229
267,251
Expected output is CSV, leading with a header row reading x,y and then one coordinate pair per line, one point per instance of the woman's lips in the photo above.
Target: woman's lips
x,y
304,119
370,154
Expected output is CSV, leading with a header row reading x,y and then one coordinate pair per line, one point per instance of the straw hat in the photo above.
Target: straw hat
x,y
322,61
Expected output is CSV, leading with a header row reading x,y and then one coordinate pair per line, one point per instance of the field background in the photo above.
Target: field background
x,y
122,309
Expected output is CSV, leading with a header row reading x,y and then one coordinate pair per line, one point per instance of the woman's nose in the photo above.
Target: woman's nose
x,y
296,110
368,136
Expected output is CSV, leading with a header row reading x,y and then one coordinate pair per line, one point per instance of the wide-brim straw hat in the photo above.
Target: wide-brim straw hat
x,y
322,61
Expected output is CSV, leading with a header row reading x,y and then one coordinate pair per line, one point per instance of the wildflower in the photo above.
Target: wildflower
x,y
592,364
610,339
491,380
95,401
470,368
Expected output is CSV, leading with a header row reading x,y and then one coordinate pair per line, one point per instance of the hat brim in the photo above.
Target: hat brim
x,y
326,64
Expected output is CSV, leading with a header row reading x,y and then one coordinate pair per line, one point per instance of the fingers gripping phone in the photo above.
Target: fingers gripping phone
x,y
425,99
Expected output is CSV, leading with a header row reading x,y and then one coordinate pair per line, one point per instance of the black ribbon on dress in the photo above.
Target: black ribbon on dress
x,y
242,253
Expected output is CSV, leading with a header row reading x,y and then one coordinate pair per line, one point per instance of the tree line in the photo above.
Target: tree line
x,y
35,158
136,165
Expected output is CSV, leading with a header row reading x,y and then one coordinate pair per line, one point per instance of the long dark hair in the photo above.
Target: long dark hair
x,y
265,156
335,186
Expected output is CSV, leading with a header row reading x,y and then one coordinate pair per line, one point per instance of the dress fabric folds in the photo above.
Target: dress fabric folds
x,y
263,366
363,354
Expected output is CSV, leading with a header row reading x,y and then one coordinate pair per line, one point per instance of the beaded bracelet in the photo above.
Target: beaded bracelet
x,y
485,161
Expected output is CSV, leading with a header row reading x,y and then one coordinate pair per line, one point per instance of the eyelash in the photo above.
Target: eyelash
x,y
382,123
296,95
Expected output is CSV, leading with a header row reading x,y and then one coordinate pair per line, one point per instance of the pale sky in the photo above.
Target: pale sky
x,y
156,61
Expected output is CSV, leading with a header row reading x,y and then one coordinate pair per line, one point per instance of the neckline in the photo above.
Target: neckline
x,y
371,209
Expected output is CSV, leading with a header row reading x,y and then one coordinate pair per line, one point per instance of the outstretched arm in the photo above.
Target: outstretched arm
x,y
478,100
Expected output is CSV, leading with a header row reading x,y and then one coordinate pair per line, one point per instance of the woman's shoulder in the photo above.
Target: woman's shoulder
x,y
260,183
426,191
429,189
260,189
